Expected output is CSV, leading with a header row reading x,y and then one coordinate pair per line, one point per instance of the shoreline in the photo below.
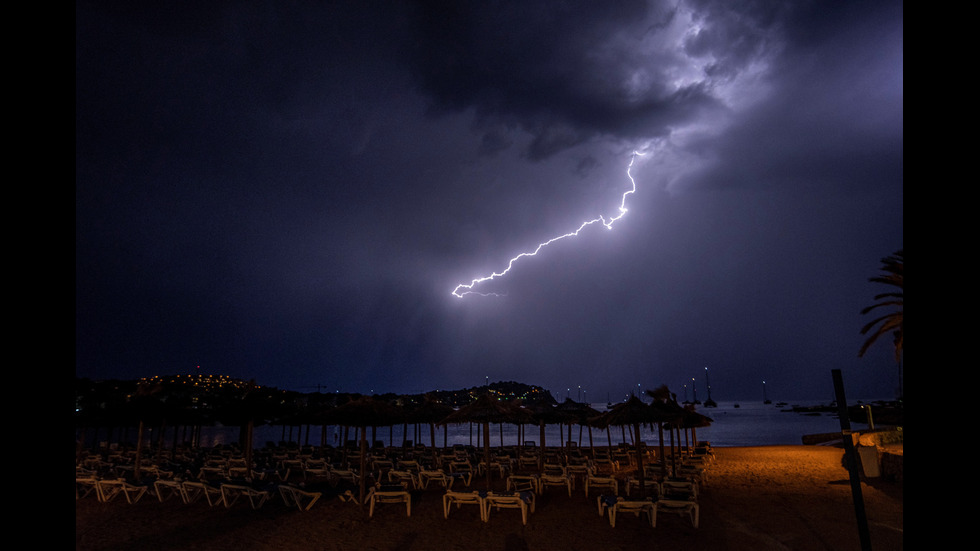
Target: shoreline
x,y
755,497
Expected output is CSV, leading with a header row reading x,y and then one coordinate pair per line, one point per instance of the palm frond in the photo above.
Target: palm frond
x,y
894,268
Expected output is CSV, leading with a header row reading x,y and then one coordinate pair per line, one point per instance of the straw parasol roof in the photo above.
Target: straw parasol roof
x,y
486,409
634,412
430,412
364,412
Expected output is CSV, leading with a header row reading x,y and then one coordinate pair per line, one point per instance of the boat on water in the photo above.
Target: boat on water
x,y
765,399
709,403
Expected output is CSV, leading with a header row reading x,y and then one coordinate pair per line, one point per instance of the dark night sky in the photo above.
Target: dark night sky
x,y
291,191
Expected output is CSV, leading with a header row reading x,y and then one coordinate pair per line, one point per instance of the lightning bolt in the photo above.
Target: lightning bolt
x,y
464,289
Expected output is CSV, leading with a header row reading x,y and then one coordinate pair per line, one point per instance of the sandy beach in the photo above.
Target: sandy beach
x,y
754,498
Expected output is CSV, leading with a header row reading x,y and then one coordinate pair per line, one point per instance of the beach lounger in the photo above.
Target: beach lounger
x,y
462,471
636,507
523,483
578,472
110,489
438,476
555,479
462,498
343,475
604,502
231,492
678,506
522,501
694,472
389,494
527,462
601,482
195,490
85,485
679,489
410,465
651,487
166,489
403,477
381,467
296,497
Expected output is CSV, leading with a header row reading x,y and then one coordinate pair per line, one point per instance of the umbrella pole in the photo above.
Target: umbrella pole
x,y
663,458
673,454
639,461
139,452
249,435
541,449
486,450
363,462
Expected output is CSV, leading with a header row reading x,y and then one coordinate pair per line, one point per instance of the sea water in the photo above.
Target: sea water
x,y
733,424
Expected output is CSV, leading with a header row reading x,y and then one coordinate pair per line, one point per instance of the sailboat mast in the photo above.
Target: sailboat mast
x,y
707,382
709,402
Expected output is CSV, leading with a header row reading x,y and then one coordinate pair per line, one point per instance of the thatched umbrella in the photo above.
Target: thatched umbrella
x,y
364,412
430,412
669,412
486,409
581,414
694,420
545,413
633,412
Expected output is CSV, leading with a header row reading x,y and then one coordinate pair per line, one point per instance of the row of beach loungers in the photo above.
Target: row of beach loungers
x,y
301,480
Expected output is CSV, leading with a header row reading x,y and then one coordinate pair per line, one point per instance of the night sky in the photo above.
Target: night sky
x,y
291,191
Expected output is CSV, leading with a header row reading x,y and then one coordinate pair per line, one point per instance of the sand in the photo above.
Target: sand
x,y
755,498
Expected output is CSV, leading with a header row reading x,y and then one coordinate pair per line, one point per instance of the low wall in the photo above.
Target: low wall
x,y
889,453
891,466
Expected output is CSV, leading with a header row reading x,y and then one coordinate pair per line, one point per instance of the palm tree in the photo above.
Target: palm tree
x,y
891,322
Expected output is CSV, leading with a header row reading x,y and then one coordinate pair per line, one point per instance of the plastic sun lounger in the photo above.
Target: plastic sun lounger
x,y
606,482
166,489
519,482
85,485
439,476
295,497
555,480
650,486
231,492
523,501
679,489
343,475
403,477
377,496
678,506
638,507
194,490
110,489
461,498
